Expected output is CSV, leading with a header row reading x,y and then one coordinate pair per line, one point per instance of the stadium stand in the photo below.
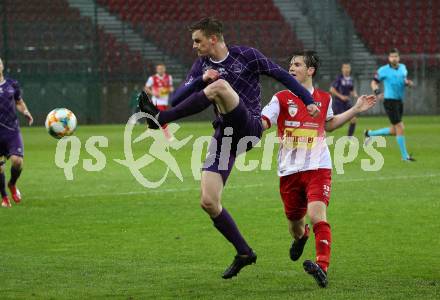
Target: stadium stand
x,y
165,22
49,36
408,25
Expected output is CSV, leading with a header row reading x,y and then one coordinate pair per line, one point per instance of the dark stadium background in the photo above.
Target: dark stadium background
x,y
90,56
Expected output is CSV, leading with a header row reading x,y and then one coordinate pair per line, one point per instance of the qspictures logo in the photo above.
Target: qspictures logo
x,y
345,150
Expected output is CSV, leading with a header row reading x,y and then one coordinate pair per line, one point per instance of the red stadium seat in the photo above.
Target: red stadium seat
x,y
411,25
50,35
167,23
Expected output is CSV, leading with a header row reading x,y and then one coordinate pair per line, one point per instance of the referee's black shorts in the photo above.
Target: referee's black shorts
x,y
394,110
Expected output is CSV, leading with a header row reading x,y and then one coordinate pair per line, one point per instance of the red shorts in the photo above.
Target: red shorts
x,y
162,107
299,189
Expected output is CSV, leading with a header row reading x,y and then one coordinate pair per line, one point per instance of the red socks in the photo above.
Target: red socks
x,y
323,241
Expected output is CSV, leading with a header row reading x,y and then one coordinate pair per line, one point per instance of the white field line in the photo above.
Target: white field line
x,y
228,187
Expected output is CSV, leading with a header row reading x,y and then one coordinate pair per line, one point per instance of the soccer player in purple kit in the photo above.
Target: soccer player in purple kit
x,y
11,142
343,89
226,77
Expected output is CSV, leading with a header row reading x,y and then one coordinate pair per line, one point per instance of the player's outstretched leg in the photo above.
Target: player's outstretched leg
x,y
195,103
16,167
212,186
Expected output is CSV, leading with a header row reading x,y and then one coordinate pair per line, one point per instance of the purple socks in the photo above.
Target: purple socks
x,y
226,225
2,185
15,173
195,103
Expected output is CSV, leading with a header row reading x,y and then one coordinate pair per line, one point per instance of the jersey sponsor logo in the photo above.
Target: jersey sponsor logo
x,y
292,123
292,108
311,124
295,138
237,68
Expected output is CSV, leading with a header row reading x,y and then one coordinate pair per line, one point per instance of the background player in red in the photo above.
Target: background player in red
x,y
160,86
11,142
304,163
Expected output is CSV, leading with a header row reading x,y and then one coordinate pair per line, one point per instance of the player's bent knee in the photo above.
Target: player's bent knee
x,y
209,204
16,161
316,217
217,89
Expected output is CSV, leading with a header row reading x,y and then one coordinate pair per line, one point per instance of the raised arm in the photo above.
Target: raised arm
x,y
363,103
193,83
264,65
186,89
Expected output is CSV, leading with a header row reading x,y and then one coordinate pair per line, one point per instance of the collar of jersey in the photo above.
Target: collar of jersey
x,y
220,61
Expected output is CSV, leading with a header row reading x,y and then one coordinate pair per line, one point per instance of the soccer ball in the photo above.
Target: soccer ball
x,y
60,122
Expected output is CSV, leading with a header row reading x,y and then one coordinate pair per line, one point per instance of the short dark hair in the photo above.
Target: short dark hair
x,y
394,50
209,26
311,59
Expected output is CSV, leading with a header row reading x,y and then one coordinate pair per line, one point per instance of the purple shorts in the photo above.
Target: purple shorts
x,y
340,106
11,143
235,132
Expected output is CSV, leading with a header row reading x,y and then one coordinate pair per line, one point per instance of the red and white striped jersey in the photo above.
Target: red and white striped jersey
x,y
302,137
161,85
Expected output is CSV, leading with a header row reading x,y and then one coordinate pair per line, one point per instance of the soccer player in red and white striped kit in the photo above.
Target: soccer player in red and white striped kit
x,y
160,86
304,162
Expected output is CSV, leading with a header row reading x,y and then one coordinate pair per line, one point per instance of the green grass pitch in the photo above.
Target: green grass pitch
x,y
104,236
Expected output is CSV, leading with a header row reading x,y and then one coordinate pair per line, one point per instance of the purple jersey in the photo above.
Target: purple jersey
x,y
242,69
344,85
10,93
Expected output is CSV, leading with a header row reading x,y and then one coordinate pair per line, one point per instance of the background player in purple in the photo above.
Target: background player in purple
x,y
11,143
228,78
343,90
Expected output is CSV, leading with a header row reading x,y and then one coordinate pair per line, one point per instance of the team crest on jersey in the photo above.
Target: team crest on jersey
x,y
292,108
319,104
1,90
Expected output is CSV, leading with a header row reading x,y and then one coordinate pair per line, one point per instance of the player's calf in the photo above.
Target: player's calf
x,y
297,247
